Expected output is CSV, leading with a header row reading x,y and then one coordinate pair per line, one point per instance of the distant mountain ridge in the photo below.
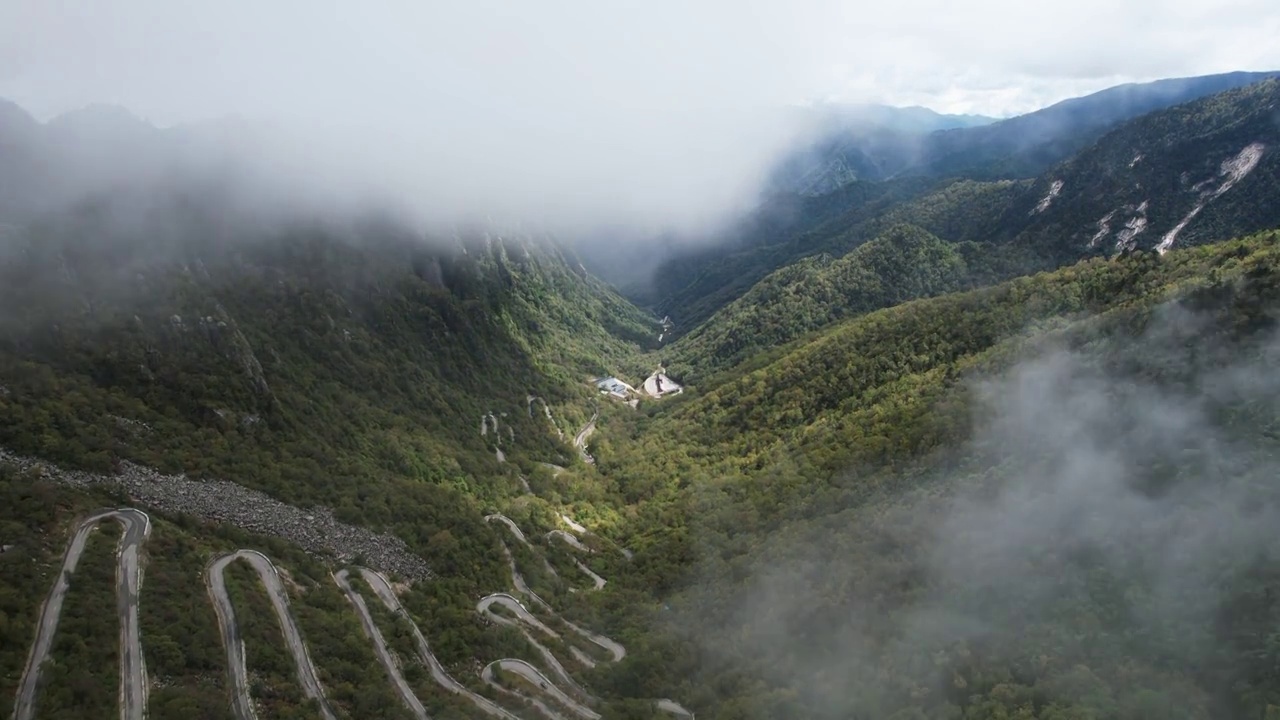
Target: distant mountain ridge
x,y
107,149
951,146
909,477
1194,173
1027,145
1191,174
859,141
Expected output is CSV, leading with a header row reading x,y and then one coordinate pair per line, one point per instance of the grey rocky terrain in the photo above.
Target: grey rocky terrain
x,y
313,529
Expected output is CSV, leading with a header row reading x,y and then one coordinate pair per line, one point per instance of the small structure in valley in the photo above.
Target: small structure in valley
x,y
658,384
615,387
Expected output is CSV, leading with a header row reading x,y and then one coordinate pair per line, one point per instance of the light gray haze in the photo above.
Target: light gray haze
x,y
1113,490
657,114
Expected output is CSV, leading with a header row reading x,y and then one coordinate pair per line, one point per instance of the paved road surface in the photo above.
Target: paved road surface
x,y
572,541
658,385
580,441
673,707
133,670
515,529
572,525
511,603
133,677
515,606
599,581
384,655
241,703
383,590
579,529
547,410
540,681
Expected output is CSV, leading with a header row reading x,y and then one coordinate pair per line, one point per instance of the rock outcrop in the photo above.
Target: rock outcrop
x,y
313,529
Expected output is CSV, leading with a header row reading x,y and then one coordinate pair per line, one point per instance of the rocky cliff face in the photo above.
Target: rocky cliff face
x,y
1203,171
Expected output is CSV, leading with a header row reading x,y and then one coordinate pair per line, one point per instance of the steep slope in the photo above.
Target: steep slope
x,y
1198,172
293,359
1006,502
342,368
859,142
1027,145
902,264
961,211
1191,174
697,281
876,143
23,175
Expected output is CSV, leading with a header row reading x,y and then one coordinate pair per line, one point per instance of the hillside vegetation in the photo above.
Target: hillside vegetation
x,y
1207,167
946,450
904,263
956,507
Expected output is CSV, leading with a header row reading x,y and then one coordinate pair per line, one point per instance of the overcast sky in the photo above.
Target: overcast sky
x,y
561,104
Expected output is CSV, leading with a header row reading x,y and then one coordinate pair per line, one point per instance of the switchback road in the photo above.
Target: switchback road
x,y
133,670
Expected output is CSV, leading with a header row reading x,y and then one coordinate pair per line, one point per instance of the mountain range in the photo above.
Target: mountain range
x,y
1206,154
969,419
879,143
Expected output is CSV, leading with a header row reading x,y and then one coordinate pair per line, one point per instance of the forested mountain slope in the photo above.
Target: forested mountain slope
x,y
292,360
1191,174
386,390
693,283
903,264
700,279
1198,172
1023,146
1050,498
364,375
912,477
1027,145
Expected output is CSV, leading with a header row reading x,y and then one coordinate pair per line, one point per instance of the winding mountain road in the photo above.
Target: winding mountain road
x,y
382,588
534,676
580,440
572,525
133,676
525,619
515,530
511,525
668,705
546,409
598,581
371,631
215,580
570,540
484,607
133,671
581,530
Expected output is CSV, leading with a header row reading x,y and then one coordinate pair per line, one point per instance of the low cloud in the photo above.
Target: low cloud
x,y
563,114
1111,508
574,116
